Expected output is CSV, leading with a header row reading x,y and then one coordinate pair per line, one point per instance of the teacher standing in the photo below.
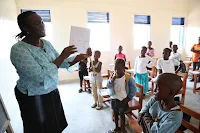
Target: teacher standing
x,y
37,63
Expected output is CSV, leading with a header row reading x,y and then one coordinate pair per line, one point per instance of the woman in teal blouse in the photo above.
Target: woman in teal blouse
x,y
37,63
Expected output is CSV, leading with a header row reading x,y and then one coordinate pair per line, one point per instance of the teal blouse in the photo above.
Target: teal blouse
x,y
37,74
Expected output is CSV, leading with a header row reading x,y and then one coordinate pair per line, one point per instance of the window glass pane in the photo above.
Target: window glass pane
x,y
177,34
99,36
141,35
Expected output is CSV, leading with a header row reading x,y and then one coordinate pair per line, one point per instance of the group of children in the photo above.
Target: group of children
x,y
160,110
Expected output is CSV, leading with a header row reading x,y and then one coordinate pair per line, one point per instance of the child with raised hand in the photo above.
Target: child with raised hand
x,y
120,55
166,65
141,74
83,71
161,114
122,87
96,80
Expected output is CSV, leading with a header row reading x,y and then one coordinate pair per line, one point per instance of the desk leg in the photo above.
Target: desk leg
x,y
195,83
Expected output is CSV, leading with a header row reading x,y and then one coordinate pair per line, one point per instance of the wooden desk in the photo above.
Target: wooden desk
x,y
196,75
188,64
189,57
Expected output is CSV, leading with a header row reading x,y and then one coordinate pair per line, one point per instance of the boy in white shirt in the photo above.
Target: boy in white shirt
x,y
166,65
122,90
175,55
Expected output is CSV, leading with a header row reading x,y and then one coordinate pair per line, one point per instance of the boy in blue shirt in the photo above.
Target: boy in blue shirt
x,y
161,114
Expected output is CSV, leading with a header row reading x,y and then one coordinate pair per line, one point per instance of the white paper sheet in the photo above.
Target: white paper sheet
x,y
80,37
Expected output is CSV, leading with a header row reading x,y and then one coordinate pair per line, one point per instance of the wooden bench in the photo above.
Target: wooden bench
x,y
188,125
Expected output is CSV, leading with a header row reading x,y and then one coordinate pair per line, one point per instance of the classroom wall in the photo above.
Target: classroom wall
x,y
8,28
65,13
193,28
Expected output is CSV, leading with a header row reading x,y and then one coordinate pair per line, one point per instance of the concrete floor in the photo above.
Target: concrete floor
x,y
81,117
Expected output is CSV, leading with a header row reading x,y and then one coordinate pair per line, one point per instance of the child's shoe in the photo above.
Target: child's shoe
x,y
94,105
80,90
89,91
99,107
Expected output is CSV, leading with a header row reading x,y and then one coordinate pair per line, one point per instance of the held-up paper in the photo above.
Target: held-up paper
x,y
80,37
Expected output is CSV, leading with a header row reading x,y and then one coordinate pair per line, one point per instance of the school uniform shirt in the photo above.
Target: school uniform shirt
x,y
167,122
176,56
119,88
167,66
150,52
195,56
38,74
141,64
96,77
120,56
83,65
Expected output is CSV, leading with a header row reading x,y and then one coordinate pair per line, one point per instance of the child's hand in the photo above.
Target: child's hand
x,y
113,77
125,100
140,115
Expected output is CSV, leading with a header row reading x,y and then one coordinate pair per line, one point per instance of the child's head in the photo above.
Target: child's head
x,y
174,48
97,54
170,44
143,51
120,49
119,66
166,53
149,44
89,51
168,85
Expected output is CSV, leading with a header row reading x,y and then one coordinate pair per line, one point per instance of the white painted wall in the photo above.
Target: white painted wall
x,y
193,29
65,13
8,28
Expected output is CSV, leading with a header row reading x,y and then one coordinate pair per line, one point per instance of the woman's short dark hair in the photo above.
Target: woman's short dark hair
x,y
22,21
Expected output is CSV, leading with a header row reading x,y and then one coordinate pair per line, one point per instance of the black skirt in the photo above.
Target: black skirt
x,y
43,113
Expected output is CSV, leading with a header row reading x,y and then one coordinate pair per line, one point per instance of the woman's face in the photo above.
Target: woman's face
x,y
35,26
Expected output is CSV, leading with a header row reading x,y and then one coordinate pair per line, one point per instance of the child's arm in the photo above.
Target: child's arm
x,y
132,88
170,124
115,57
159,66
98,69
125,58
146,108
90,68
135,66
145,111
177,63
110,83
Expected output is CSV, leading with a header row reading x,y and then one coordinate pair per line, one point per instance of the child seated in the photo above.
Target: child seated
x,y
166,65
161,114
96,80
123,88
120,55
83,71
141,74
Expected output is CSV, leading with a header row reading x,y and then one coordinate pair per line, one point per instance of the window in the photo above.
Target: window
x,y
141,31
177,31
46,17
98,23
